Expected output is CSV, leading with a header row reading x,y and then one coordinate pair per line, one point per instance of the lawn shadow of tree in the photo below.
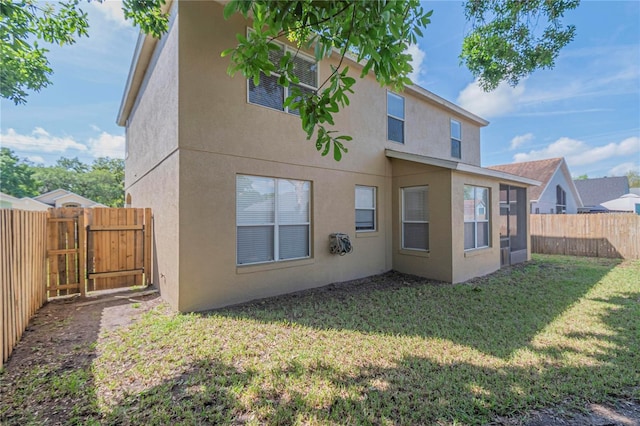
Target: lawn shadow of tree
x,y
496,315
413,391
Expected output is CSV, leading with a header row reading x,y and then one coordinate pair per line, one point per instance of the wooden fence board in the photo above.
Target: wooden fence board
x,y
612,235
23,273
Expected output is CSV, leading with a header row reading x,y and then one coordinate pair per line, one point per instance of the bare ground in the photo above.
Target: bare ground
x,y
63,336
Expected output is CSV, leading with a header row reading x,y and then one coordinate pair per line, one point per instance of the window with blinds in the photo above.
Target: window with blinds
x,y
365,208
271,95
272,219
476,217
415,218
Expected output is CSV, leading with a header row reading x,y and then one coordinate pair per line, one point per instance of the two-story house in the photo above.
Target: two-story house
x,y
244,205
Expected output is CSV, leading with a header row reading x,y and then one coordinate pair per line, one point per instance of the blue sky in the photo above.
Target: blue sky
x,y
586,109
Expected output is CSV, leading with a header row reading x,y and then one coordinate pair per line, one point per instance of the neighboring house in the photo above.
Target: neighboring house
x,y
634,191
594,192
64,198
9,202
244,206
557,194
56,198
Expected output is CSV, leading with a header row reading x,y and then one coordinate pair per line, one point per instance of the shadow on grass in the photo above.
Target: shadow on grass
x,y
218,388
413,391
497,314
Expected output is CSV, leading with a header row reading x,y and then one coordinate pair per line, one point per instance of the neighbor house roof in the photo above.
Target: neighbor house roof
x,y
460,167
60,196
542,170
596,191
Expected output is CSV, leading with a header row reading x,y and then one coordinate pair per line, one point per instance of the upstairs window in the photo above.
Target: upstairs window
x,y
395,117
270,94
415,218
476,217
365,208
561,200
456,139
273,220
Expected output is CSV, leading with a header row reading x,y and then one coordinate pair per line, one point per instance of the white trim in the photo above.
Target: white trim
x,y
374,208
402,119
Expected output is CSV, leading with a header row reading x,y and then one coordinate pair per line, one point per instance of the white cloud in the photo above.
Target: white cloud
x,y
416,62
519,140
500,101
39,141
107,145
112,11
36,159
579,153
623,169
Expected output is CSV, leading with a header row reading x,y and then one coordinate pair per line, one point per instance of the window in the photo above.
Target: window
x,y
365,208
456,139
271,95
395,117
476,217
272,219
415,218
561,200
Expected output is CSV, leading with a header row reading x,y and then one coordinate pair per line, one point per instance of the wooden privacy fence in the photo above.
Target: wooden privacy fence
x,y
98,249
23,258
615,235
67,251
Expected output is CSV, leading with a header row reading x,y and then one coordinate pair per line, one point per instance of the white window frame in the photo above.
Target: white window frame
x,y
476,221
276,223
458,140
295,52
402,119
374,208
404,221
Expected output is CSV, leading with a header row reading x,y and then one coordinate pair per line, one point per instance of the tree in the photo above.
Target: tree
x,y
102,181
582,177
634,179
504,44
16,176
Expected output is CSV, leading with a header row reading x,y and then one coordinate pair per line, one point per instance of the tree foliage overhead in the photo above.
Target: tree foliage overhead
x,y
508,40
377,33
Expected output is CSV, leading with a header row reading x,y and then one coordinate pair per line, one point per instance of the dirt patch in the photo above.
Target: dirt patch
x,y
60,341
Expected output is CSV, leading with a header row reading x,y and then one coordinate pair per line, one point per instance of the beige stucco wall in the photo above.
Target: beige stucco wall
x,y
152,165
192,132
436,263
209,276
477,262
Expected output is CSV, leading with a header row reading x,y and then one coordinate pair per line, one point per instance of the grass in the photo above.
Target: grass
x,y
392,349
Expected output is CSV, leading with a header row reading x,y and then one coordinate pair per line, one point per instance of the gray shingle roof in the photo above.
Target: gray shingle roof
x,y
596,191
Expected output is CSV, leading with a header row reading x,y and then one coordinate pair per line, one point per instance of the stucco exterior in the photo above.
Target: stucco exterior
x,y
191,131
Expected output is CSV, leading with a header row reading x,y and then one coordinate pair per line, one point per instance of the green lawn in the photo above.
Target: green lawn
x,y
392,349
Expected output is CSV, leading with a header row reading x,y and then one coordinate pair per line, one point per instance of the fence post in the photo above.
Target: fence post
x,y
82,252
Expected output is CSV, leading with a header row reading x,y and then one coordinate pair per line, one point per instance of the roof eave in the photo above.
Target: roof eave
x,y
145,47
460,167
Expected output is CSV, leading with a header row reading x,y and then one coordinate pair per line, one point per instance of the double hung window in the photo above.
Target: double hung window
x,y
270,94
415,218
272,219
395,117
365,208
476,217
456,139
